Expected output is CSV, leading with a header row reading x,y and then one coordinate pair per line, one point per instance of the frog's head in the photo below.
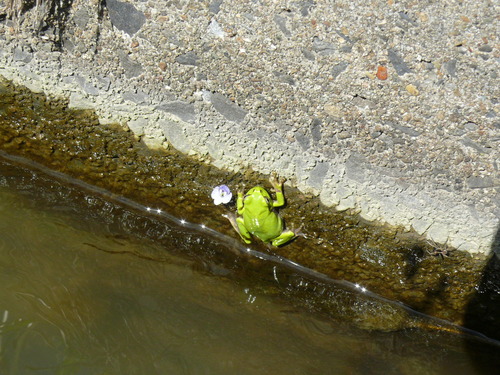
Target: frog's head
x,y
258,195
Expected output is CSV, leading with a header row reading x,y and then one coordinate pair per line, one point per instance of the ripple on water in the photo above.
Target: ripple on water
x,y
91,286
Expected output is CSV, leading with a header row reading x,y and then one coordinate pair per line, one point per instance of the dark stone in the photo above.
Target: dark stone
x,y
451,67
480,182
136,97
346,48
125,17
485,48
339,68
183,110
466,141
214,6
23,56
231,111
285,78
81,18
308,54
398,63
189,58
303,141
406,130
354,168
132,68
305,7
316,129
322,48
86,86
318,174
281,22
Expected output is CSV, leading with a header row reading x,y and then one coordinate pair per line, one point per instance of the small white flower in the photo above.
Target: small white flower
x,y
221,194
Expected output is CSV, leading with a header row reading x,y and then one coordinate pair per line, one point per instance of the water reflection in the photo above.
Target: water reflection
x,y
92,287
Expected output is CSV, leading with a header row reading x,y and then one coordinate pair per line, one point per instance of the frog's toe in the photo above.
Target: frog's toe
x,y
276,181
283,238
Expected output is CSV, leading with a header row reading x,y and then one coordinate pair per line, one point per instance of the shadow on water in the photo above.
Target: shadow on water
x,y
483,314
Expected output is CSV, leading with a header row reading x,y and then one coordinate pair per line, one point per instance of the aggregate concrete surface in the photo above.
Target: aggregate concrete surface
x,y
386,107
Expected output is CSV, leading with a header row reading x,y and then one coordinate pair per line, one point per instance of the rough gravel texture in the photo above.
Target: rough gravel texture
x,y
297,87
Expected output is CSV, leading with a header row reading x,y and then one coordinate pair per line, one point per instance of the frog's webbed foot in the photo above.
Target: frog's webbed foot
x,y
277,181
298,232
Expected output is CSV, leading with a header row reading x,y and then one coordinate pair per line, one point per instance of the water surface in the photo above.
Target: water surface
x,y
92,286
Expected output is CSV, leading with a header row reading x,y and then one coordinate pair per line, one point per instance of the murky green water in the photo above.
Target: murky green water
x,y
91,286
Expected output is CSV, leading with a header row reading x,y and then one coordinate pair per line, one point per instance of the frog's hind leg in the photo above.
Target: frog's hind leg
x,y
243,231
239,227
283,238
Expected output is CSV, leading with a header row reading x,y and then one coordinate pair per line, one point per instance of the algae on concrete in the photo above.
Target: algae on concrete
x,y
385,260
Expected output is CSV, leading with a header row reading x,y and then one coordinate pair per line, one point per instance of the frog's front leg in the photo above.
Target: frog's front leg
x,y
239,202
278,188
283,238
243,231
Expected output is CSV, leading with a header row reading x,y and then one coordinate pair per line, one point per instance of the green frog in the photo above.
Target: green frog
x,y
258,216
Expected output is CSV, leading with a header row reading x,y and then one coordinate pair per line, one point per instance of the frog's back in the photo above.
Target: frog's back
x,y
265,225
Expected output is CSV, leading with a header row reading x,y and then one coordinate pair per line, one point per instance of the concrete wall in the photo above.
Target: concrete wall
x,y
298,87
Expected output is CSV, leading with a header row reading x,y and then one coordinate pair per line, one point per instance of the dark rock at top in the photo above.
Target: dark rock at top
x,y
131,67
188,58
303,141
21,55
321,47
231,111
318,174
398,63
339,68
480,182
184,110
125,16
485,48
315,128
214,6
281,22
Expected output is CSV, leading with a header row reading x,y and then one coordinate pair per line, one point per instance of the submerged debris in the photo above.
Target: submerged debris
x,y
442,251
